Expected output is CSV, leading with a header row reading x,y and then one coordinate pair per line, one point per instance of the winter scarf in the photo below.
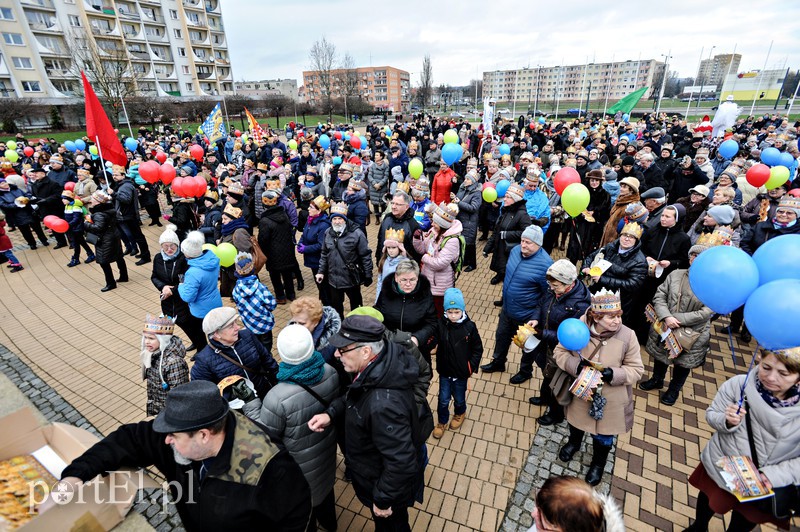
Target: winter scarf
x,y
792,396
309,372
233,225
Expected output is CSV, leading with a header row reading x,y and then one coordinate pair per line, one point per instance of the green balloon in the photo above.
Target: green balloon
x,y
226,253
489,194
450,136
778,175
210,247
292,144
415,167
575,199
12,156
93,150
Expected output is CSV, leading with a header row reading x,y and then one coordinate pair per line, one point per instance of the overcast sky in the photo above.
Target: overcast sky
x,y
269,40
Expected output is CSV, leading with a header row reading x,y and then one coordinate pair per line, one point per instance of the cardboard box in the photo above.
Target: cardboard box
x,y
21,434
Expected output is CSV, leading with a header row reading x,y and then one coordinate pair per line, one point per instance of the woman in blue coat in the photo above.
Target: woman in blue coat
x,y
312,240
199,287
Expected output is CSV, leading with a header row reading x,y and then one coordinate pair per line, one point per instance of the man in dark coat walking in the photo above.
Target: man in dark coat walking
x,y
46,196
126,200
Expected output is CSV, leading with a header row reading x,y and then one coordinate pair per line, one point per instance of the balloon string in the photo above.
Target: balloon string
x,y
747,376
730,343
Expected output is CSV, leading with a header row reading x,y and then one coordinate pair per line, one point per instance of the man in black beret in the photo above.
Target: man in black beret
x,y
223,470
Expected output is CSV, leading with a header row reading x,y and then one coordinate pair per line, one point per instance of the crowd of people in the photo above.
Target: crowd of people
x,y
358,380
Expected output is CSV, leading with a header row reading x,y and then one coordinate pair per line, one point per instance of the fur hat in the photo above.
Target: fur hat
x,y
232,212
596,174
534,234
169,235
244,264
218,318
192,245
563,271
444,215
515,192
295,344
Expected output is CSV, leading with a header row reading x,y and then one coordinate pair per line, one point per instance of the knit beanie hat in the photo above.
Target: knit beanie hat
x,y
722,214
515,192
534,234
244,264
218,318
790,202
628,161
444,215
192,246
453,298
372,312
563,271
637,212
611,175
170,235
295,344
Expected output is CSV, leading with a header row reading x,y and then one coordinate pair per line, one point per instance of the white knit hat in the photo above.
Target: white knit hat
x,y
169,235
192,246
295,344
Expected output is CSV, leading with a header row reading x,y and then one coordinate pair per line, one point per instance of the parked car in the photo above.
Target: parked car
x,y
575,111
456,114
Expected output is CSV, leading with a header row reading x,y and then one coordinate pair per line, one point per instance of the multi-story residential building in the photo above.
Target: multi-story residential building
x,y
384,87
712,71
267,87
170,48
573,82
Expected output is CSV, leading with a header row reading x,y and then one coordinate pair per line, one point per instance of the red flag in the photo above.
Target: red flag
x,y
99,128
255,128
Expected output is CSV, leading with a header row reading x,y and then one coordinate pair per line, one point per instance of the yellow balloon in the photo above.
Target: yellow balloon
x,y
778,175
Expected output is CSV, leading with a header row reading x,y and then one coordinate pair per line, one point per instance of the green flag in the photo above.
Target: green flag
x,y
627,104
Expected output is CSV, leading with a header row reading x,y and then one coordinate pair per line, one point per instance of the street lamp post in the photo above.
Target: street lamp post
x,y
663,80
703,80
538,77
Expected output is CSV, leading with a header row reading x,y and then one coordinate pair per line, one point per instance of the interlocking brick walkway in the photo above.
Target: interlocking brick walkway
x,y
85,345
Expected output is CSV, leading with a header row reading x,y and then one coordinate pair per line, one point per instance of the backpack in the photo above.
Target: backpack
x,y
459,262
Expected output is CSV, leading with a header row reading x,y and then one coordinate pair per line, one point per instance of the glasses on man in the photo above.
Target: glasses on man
x,y
353,348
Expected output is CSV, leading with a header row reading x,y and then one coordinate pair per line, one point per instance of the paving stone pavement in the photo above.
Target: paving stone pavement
x,y
84,345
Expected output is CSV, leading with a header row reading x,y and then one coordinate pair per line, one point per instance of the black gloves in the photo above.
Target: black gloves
x,y
582,364
368,281
608,374
240,390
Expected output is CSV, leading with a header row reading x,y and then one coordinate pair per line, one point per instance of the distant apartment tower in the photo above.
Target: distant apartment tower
x,y
267,87
713,71
384,87
573,82
174,48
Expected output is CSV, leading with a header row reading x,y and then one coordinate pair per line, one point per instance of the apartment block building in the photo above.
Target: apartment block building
x,y
268,87
712,71
573,82
169,47
384,87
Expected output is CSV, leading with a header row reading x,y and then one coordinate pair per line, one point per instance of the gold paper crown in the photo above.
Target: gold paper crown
x,y
158,324
447,211
339,208
606,301
321,203
116,168
263,167
212,195
404,187
231,211
789,202
83,171
523,333
633,229
709,240
236,188
395,234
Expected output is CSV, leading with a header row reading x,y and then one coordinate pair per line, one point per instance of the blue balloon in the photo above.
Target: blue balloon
x,y
573,334
388,131
347,137
542,120
502,187
771,156
364,143
451,152
778,258
505,149
70,146
723,277
337,160
80,144
786,160
771,314
324,141
131,144
729,149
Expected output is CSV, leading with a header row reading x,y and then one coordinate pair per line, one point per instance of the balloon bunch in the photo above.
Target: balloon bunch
x,y
226,252
59,225
772,172
574,194
452,150
77,145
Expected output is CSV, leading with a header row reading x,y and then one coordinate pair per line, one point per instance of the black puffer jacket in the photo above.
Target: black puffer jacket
x,y
507,233
340,251
553,311
126,200
165,273
104,225
460,348
183,216
16,215
381,451
764,231
626,274
212,223
276,239
48,197
413,312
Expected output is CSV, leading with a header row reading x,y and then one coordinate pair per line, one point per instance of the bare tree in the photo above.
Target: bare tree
x,y
426,81
475,88
108,68
276,104
347,82
12,110
323,57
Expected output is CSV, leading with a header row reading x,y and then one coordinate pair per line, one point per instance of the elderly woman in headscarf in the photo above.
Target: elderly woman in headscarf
x,y
163,361
628,193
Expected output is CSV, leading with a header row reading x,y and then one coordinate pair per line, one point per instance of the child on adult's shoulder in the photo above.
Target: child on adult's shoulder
x,y
254,301
393,253
457,357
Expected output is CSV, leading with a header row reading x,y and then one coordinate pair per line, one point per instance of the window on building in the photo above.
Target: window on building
x,y
6,13
74,21
22,62
185,69
31,86
189,87
182,52
178,34
62,86
13,39
173,14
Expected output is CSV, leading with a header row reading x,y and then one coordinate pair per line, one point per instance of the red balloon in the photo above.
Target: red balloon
x,y
794,192
60,225
355,160
237,133
532,126
355,142
166,173
197,152
48,220
116,131
69,185
161,157
565,177
28,151
338,135
301,134
149,171
758,175
291,125
200,186
178,185
489,185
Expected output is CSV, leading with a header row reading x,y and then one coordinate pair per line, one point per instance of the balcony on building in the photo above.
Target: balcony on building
x,y
202,55
212,6
138,52
161,54
100,7
42,22
204,72
44,4
132,31
194,20
104,28
150,15
194,4
128,11
199,37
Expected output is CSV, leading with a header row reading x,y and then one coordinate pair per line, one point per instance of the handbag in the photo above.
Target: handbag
x,y
259,259
92,238
562,382
785,502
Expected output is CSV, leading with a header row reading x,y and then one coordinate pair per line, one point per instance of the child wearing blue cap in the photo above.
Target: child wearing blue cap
x,y
457,357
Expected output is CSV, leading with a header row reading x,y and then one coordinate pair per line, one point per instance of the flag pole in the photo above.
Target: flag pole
x,y
608,84
225,106
128,120
760,77
102,162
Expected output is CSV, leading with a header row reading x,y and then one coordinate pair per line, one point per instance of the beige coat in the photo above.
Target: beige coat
x,y
621,354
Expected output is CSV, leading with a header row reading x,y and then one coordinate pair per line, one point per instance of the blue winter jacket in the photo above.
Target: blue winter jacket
x,y
199,286
313,238
248,351
525,284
